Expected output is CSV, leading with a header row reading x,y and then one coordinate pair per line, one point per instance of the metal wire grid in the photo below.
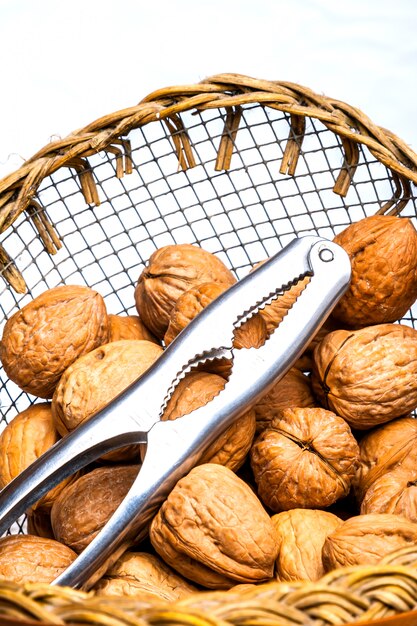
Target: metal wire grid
x,y
243,215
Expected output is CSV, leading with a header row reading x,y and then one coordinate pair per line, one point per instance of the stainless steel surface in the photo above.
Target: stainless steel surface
x,y
173,447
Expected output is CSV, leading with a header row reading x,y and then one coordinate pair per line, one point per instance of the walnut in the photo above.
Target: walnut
x,y
213,530
128,327
251,334
49,333
383,254
384,448
29,434
368,376
95,379
139,573
301,535
274,313
29,559
306,459
393,492
197,389
82,509
171,270
293,390
365,539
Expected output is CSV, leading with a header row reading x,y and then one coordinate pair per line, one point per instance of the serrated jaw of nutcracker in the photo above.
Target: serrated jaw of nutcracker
x,y
322,270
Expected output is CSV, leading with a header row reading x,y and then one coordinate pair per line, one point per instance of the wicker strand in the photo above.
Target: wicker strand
x,y
293,147
10,272
225,151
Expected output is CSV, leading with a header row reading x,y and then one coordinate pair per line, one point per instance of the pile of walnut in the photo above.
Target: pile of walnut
x,y
322,473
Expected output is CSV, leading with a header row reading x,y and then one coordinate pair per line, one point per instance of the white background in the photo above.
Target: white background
x,y
64,64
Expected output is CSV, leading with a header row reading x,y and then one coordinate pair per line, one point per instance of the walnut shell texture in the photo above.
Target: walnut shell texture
x,y
306,459
213,530
30,559
365,539
140,573
29,434
368,376
393,492
128,327
82,509
382,449
274,313
291,391
251,334
233,445
49,333
383,254
171,270
98,377
301,535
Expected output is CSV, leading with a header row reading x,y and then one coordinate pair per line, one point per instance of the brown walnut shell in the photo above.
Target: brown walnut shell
x,y
29,559
365,539
197,389
128,327
383,254
306,459
274,312
29,434
384,448
49,333
98,377
83,508
213,530
292,390
393,492
301,535
139,573
368,376
251,334
171,270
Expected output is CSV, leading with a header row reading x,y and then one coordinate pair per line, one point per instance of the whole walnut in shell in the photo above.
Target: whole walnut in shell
x,y
139,573
301,535
49,333
29,559
292,390
213,530
383,255
393,492
128,327
251,334
306,459
95,379
29,434
171,270
82,509
365,539
368,376
197,389
384,448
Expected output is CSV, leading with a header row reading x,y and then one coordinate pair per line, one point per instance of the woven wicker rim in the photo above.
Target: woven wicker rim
x,y
228,91
347,595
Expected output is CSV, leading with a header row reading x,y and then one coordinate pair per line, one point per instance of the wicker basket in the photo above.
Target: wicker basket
x,y
239,166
